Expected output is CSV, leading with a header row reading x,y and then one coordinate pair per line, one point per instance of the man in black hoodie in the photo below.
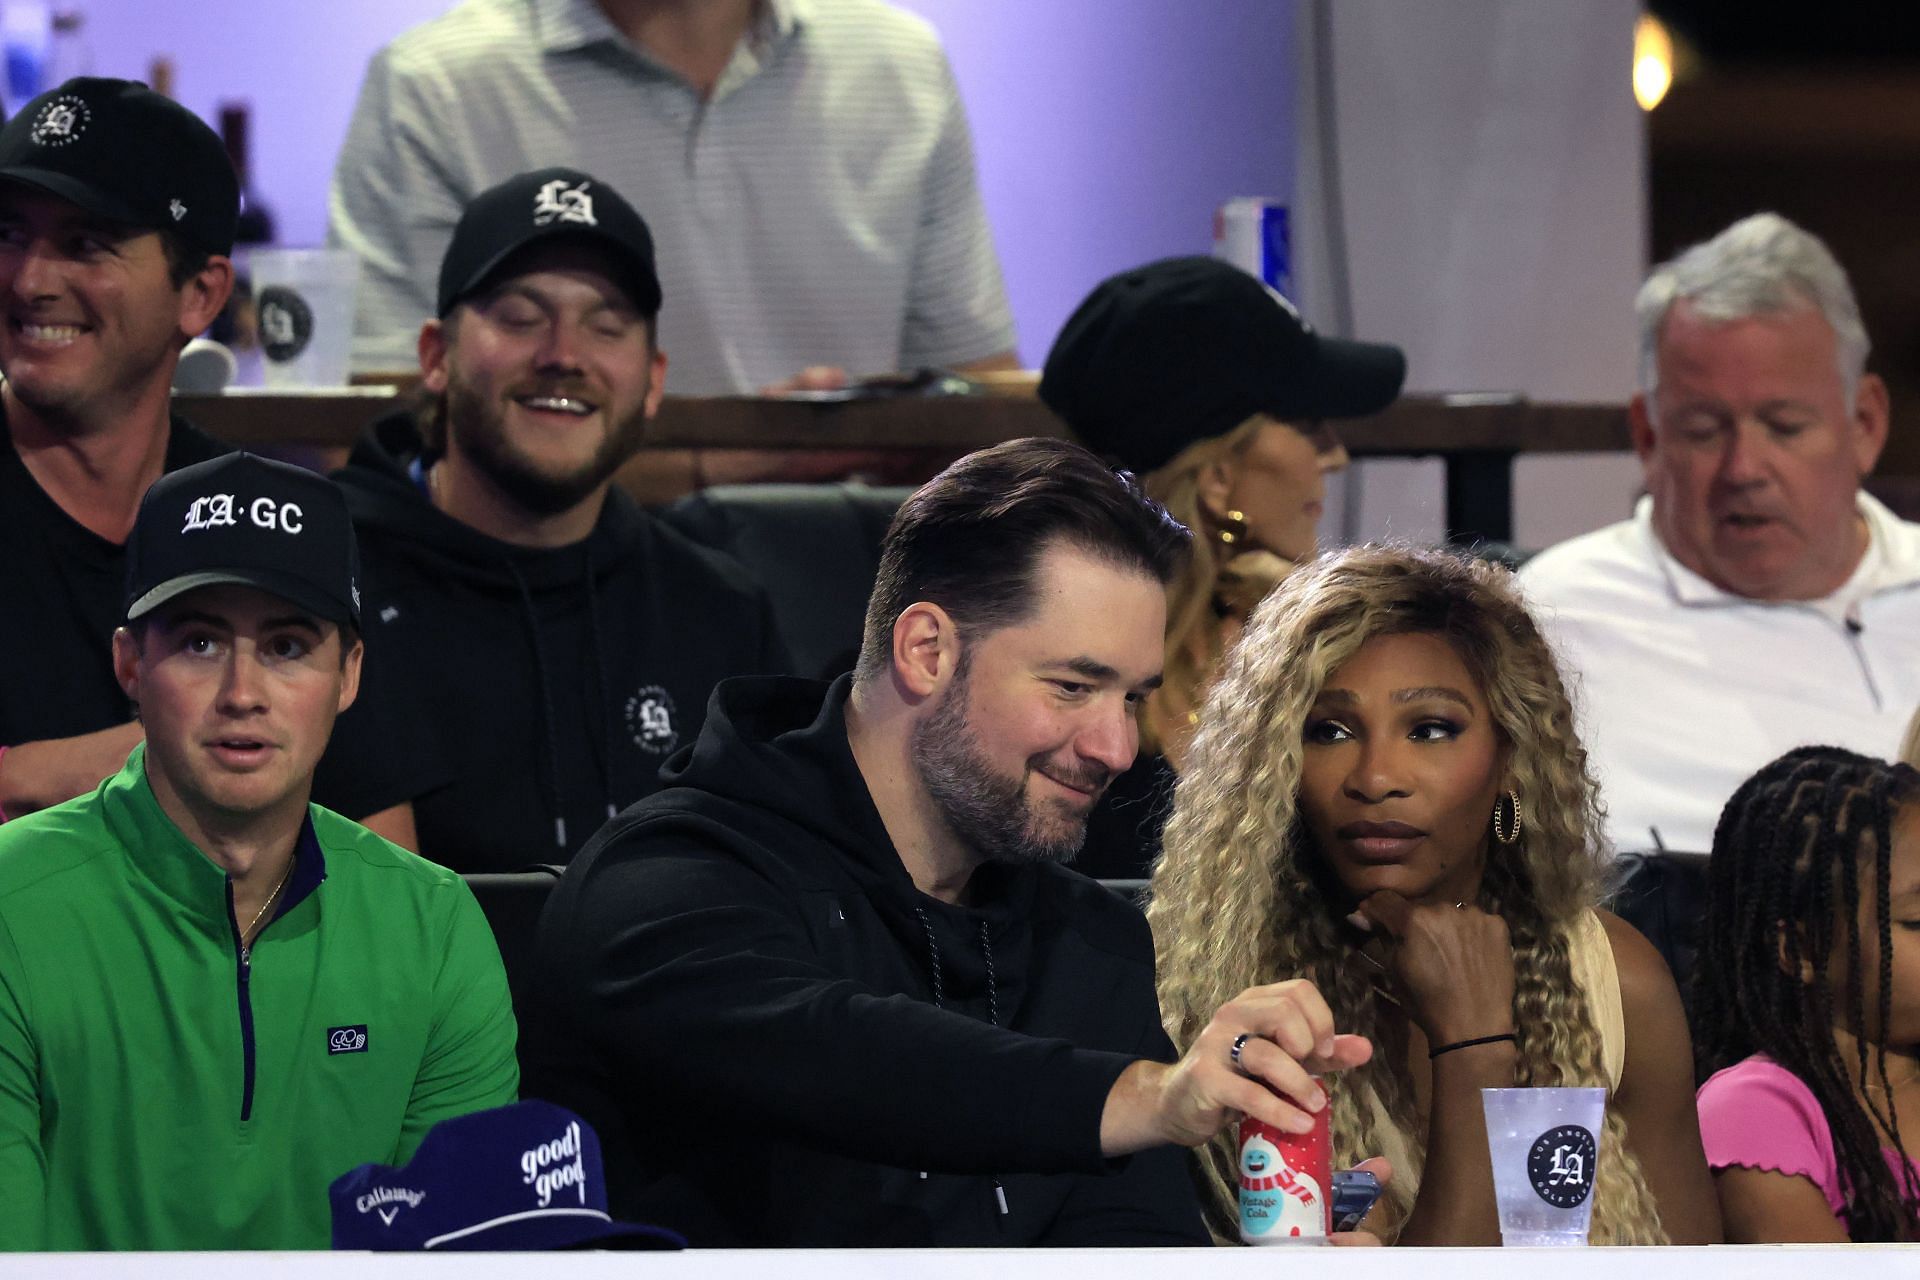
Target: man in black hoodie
x,y
537,645
832,985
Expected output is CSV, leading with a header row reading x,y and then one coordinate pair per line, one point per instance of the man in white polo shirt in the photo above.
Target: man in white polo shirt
x,y
805,165
1758,599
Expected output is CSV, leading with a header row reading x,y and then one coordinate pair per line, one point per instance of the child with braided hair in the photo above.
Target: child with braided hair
x,y
1386,797
1807,1005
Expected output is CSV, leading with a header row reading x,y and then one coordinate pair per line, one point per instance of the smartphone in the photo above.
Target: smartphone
x,y
1354,1191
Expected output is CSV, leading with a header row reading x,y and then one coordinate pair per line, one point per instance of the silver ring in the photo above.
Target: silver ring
x,y
1239,1043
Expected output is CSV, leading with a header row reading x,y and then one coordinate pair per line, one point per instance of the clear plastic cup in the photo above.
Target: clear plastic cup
x,y
1545,1147
304,300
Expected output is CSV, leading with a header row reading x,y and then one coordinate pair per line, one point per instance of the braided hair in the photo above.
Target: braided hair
x,y
1790,859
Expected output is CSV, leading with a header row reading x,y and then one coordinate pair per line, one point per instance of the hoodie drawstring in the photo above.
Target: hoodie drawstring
x,y
993,1006
551,781
602,700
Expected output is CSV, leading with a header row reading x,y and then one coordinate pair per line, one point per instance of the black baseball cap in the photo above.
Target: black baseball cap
x,y
248,520
1186,349
537,206
130,155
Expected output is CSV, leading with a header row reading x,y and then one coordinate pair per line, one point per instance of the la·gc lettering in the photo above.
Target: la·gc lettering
x,y
217,510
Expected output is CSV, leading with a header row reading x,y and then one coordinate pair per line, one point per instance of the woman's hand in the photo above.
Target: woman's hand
x,y
1381,1168
1453,965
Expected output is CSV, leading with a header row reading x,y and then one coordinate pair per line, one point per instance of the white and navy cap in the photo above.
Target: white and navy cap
x,y
525,1176
244,519
542,205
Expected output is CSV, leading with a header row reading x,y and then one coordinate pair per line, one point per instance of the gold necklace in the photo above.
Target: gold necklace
x,y
247,932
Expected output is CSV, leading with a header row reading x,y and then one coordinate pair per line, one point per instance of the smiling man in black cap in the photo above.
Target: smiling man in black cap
x,y
215,997
560,641
117,211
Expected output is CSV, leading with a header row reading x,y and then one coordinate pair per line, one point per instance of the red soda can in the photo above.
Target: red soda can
x,y
1286,1182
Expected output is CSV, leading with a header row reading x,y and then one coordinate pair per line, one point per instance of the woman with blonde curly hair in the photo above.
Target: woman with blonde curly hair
x,y
1211,387
1386,797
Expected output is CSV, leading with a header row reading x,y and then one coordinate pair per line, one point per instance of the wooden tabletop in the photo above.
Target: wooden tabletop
x,y
1414,425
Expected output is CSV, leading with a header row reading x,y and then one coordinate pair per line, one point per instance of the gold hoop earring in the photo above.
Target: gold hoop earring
x,y
1233,528
1507,834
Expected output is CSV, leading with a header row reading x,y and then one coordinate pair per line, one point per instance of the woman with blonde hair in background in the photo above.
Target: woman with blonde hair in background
x,y
1386,797
1214,389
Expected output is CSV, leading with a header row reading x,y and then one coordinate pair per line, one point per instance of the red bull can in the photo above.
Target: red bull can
x,y
1286,1183
1253,233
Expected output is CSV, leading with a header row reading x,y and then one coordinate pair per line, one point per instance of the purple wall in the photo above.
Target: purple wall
x,y
1106,130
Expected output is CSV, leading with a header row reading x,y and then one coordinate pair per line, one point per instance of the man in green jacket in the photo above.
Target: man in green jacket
x,y
215,998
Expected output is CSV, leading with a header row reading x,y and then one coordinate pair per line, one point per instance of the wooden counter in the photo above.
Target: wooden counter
x,y
1478,436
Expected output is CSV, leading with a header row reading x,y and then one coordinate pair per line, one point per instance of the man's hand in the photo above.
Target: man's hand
x,y
39,775
1289,1038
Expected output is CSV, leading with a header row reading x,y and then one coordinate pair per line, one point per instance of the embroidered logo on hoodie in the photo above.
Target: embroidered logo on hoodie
x,y
650,719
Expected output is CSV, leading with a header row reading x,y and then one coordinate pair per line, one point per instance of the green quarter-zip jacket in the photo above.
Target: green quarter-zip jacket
x,y
161,1088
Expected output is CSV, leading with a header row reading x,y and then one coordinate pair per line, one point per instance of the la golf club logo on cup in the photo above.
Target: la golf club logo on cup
x,y
1560,1165
286,323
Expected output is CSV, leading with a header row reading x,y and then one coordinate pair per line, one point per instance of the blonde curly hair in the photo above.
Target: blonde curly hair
x,y
1193,645
1235,902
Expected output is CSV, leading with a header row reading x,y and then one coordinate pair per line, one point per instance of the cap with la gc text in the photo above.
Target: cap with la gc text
x,y
248,520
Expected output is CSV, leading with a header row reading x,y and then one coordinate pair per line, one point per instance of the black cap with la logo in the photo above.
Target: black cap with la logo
x,y
537,206
248,520
122,152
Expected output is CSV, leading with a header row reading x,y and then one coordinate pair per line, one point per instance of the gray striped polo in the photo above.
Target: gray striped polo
x,y
819,208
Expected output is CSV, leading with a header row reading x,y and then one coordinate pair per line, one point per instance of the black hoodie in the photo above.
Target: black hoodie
x,y
783,1042
552,683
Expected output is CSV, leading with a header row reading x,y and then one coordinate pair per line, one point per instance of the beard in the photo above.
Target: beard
x,y
987,810
478,426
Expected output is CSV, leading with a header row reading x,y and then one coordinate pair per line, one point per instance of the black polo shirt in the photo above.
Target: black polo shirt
x,y
62,593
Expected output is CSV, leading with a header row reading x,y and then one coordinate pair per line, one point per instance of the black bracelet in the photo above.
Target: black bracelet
x,y
1468,1044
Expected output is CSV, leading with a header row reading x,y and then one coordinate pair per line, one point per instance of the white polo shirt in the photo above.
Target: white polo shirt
x,y
819,208
1682,691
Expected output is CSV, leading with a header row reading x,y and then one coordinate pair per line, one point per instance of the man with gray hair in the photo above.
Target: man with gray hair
x,y
1758,599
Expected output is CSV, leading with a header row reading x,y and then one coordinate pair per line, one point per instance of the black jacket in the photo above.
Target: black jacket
x,y
63,590
783,1042
521,697
1124,829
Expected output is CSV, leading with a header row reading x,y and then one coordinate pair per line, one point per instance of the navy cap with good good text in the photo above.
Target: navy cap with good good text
x,y
1185,349
542,205
251,521
525,1176
129,155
